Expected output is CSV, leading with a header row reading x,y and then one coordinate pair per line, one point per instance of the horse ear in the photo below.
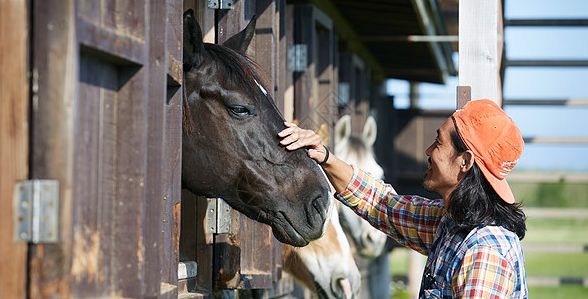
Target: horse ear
x,y
370,131
193,45
342,128
240,41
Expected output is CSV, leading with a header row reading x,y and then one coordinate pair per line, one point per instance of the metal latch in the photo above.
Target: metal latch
x,y
297,58
36,211
218,216
220,4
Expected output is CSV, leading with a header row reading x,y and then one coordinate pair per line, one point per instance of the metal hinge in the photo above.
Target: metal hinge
x,y
220,4
297,58
218,216
36,211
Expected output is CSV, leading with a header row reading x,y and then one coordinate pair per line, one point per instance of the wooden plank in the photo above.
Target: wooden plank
x,y
52,140
205,16
548,63
14,135
286,40
95,162
325,112
556,140
172,164
281,47
264,41
155,99
547,102
128,250
195,243
479,60
303,81
546,22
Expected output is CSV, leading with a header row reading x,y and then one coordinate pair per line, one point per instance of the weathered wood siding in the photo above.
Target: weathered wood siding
x,y
106,125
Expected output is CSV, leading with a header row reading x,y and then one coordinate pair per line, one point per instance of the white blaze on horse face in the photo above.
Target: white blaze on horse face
x,y
330,210
261,88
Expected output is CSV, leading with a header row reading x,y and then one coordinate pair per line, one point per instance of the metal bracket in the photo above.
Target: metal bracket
x,y
36,211
218,216
187,269
220,4
297,57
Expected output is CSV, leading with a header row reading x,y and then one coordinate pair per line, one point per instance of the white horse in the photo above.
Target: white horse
x,y
325,266
368,241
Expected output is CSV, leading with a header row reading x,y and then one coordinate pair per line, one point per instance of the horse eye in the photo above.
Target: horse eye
x,y
240,111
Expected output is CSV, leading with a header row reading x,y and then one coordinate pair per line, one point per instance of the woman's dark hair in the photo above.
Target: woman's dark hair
x,y
474,203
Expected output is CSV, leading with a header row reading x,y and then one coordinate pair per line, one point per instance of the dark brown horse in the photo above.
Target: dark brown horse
x,y
230,144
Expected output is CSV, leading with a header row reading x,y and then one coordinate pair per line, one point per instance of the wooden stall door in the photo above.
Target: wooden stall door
x,y
247,256
106,124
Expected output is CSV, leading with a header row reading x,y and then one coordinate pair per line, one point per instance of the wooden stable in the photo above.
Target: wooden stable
x,y
92,99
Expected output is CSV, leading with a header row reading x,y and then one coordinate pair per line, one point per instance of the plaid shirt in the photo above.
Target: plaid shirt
x,y
487,263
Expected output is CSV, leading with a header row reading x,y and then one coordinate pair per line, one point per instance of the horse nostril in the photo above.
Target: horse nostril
x,y
341,288
320,207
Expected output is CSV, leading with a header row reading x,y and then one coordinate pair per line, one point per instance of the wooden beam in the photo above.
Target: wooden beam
x,y
547,102
479,48
547,22
14,135
557,140
548,63
547,177
411,38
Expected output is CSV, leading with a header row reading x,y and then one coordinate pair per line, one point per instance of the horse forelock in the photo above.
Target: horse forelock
x,y
255,78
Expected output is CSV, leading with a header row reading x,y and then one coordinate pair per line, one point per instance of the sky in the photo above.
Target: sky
x,y
534,83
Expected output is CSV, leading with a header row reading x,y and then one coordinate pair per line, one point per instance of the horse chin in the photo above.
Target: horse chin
x,y
285,232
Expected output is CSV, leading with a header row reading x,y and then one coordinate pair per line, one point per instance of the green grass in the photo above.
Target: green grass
x,y
563,292
557,264
399,261
551,194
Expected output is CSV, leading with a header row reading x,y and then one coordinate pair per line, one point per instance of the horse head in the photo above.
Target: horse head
x,y
357,150
230,145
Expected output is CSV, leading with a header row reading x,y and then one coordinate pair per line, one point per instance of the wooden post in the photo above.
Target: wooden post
x,y
416,266
14,136
480,48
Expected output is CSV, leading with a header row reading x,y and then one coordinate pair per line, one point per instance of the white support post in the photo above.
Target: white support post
x,y
480,48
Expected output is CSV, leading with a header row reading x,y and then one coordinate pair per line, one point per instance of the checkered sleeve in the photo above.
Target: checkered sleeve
x,y
484,273
410,220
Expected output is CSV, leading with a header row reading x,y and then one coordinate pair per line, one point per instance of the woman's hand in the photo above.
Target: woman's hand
x,y
296,137
338,172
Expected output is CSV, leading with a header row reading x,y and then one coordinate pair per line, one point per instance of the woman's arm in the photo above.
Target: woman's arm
x,y
338,172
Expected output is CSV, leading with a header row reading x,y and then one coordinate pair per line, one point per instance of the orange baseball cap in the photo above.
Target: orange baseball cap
x,y
494,139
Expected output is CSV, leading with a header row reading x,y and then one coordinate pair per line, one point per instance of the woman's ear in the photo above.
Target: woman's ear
x,y
467,160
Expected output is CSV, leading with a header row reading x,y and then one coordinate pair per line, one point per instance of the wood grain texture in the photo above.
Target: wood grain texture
x,y
479,48
14,135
